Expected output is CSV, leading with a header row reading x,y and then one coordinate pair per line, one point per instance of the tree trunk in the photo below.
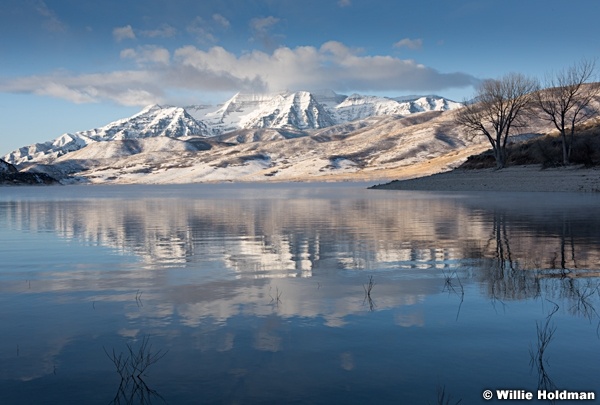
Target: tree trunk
x,y
565,149
500,155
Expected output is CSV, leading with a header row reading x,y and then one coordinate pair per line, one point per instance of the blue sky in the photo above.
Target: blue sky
x,y
71,65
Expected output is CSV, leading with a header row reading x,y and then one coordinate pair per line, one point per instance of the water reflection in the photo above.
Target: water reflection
x,y
213,244
264,237
337,288
132,367
545,335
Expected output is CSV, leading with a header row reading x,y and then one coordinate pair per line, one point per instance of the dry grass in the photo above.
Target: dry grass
x,y
546,151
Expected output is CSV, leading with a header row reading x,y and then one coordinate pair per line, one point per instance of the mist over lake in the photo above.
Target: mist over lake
x,y
294,293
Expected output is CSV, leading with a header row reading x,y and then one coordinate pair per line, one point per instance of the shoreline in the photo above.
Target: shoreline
x,y
515,178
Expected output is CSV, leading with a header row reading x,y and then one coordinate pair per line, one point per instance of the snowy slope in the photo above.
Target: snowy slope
x,y
286,115
367,149
289,137
153,121
297,110
432,103
227,117
304,110
127,147
357,106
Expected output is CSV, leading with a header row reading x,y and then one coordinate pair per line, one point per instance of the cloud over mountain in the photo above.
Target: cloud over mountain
x,y
160,74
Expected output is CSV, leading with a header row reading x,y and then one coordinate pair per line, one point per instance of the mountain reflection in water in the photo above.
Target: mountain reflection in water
x,y
257,293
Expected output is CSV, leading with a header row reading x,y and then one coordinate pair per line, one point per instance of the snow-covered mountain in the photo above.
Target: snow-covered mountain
x,y
152,121
289,114
296,110
299,110
357,106
308,110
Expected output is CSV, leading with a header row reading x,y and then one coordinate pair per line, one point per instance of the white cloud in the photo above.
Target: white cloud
x,y
261,30
344,3
204,30
137,97
122,33
164,31
131,88
222,21
213,70
63,91
201,30
333,65
263,24
51,21
127,32
409,43
147,54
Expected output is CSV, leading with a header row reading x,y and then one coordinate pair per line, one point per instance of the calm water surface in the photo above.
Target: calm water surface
x,y
248,294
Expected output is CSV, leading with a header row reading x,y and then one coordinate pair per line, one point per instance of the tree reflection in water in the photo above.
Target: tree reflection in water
x,y
561,277
212,268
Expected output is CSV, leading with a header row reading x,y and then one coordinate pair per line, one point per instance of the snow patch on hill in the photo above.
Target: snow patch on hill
x,y
153,121
243,118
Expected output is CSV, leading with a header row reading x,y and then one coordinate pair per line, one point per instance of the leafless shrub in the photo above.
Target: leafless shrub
x,y
368,288
459,290
131,367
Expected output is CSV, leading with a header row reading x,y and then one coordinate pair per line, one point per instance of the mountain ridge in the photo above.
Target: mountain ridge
x,y
288,136
309,109
291,112
152,121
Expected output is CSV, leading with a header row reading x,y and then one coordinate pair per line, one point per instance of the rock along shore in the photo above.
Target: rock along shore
x,y
518,178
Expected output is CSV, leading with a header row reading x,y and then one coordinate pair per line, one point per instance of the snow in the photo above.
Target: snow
x,y
308,110
307,129
295,110
152,121
375,149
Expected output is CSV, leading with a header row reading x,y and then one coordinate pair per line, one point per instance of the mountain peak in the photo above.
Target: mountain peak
x,y
289,111
297,110
151,107
152,121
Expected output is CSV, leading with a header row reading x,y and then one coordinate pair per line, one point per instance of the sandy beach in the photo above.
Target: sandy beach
x,y
520,178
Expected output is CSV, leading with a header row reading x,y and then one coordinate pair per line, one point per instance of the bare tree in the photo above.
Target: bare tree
x,y
499,107
567,101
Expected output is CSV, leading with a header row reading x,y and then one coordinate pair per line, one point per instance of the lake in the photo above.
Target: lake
x,y
295,293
